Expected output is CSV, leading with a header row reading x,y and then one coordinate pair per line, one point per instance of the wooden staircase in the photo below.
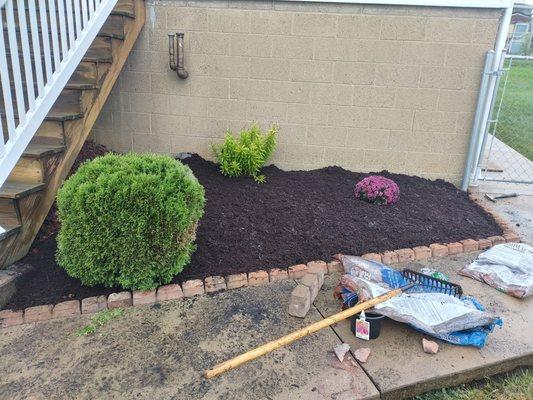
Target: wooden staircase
x,y
30,190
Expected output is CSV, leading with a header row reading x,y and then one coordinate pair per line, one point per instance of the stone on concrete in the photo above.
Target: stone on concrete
x,y
438,250
372,257
389,257
455,248
235,281
192,287
430,346
340,350
68,308
362,354
320,276
496,240
143,297
317,266
405,255
117,300
335,266
257,278
469,245
483,244
297,271
10,318
422,252
168,292
91,305
214,284
300,301
278,274
311,281
38,313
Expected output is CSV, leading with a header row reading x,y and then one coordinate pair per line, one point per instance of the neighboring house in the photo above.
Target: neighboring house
x,y
520,37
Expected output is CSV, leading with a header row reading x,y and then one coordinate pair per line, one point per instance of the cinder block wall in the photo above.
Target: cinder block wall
x,y
361,86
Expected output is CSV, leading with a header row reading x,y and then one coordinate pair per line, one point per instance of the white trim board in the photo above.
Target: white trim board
x,y
427,3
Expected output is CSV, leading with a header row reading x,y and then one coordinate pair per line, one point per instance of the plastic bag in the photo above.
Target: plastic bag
x,y
507,267
459,321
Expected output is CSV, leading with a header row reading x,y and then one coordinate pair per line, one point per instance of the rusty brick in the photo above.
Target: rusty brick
x,y
121,299
278,274
438,250
169,292
511,237
335,266
389,257
214,284
469,245
297,271
496,240
11,318
405,255
38,313
483,244
236,281
257,278
192,287
455,248
317,266
143,297
372,257
68,308
91,305
422,252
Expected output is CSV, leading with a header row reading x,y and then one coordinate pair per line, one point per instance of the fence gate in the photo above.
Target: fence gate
x,y
506,153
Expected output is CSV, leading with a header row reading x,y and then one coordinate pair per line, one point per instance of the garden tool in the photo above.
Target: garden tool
x,y
501,196
416,280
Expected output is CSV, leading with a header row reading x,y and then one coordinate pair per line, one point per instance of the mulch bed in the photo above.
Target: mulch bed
x,y
294,217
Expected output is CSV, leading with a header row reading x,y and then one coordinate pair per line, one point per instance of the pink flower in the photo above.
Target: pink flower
x,y
377,189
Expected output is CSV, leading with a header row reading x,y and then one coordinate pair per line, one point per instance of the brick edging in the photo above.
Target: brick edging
x,y
214,284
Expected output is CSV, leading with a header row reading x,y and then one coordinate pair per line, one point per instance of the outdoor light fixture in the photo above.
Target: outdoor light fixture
x,y
175,61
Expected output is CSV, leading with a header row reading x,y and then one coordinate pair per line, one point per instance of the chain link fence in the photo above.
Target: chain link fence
x,y
508,150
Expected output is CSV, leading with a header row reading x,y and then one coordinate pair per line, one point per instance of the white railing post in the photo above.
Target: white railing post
x,y
64,36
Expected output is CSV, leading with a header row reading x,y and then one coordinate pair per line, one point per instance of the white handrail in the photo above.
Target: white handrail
x,y
25,108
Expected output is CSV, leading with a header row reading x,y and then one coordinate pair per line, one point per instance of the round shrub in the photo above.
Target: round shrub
x,y
128,220
377,189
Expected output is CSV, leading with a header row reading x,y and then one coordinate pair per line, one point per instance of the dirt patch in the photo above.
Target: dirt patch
x,y
294,217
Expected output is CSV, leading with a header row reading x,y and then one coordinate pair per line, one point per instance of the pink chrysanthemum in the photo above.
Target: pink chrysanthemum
x,y
377,189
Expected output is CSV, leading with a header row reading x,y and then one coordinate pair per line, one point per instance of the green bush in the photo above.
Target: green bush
x,y
246,155
128,220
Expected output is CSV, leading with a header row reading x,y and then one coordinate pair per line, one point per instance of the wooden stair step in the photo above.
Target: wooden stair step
x,y
16,190
9,230
42,149
125,8
55,115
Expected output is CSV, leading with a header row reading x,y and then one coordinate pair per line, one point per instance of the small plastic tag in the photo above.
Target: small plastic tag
x,y
362,327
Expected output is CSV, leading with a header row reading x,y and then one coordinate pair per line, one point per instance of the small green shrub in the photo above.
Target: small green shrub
x,y
128,220
246,155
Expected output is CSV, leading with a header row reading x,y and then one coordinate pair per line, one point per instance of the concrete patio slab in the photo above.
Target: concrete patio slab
x,y
399,367
160,352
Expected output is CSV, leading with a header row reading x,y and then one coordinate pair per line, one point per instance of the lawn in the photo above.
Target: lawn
x,y
516,115
517,385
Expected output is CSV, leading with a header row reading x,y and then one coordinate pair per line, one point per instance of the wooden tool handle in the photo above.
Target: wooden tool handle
x,y
294,336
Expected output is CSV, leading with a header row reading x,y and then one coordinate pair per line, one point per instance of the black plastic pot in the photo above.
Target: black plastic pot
x,y
374,321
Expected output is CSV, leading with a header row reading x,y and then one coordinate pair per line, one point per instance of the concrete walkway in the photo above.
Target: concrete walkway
x,y
161,351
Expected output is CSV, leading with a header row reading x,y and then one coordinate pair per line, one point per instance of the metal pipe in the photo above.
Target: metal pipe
x,y
180,69
469,164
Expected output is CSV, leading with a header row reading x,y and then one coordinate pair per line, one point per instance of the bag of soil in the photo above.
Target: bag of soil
x,y
461,321
507,267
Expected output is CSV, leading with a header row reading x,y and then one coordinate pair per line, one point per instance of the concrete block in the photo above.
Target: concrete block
x,y
422,252
257,278
11,318
511,237
38,313
359,26
68,308
311,280
469,245
278,274
143,297
455,248
335,266
214,284
192,287
405,255
438,250
300,301
389,257
297,271
372,257
483,244
121,299
235,281
496,240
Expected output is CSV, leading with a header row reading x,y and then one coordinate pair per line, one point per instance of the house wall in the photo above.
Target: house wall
x,y
366,87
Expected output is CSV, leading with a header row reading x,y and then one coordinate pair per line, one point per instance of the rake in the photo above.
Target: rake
x,y
416,281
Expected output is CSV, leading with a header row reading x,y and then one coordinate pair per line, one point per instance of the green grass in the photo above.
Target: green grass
x,y
516,385
516,115
100,319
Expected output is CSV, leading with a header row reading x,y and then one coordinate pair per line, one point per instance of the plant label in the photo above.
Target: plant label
x,y
362,327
